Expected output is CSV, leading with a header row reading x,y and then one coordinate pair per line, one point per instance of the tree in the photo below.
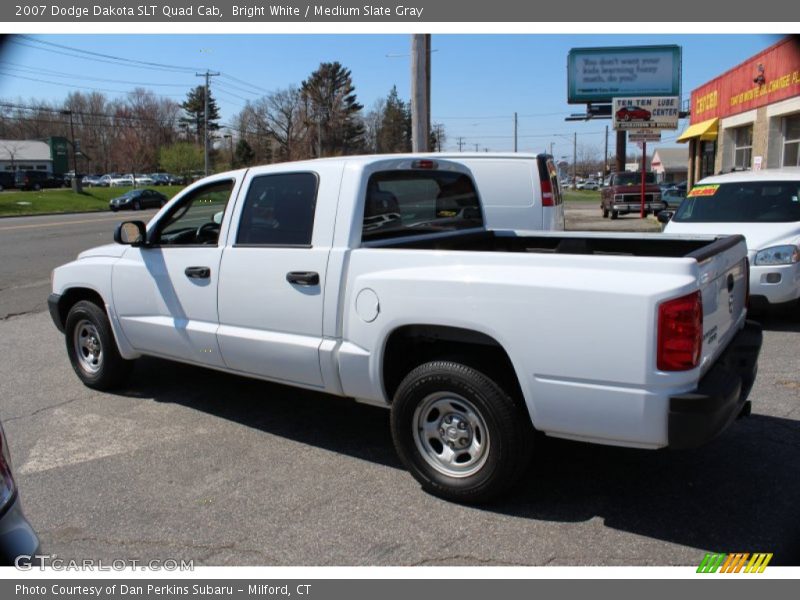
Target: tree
x,y
395,128
244,154
331,110
181,158
438,137
194,107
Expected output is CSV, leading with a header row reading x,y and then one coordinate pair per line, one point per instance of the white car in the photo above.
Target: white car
x,y
764,207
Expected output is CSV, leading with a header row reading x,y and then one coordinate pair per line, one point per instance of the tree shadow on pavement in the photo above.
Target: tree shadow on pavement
x,y
739,493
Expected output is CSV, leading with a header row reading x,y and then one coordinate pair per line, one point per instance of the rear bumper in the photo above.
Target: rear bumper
x,y
52,306
698,416
18,542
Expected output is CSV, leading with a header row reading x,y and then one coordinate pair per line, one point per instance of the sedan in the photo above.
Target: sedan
x,y
18,542
137,200
633,113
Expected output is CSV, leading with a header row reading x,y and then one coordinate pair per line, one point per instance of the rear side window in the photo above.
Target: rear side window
x,y
279,210
412,202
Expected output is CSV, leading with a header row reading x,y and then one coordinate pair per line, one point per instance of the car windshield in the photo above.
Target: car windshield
x,y
632,178
743,202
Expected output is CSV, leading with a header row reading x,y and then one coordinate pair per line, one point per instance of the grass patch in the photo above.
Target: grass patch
x,y
64,200
581,196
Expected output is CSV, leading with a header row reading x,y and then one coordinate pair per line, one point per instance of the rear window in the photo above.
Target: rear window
x,y
631,178
746,202
401,203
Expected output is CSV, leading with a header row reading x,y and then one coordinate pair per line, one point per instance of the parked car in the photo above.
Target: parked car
x,y
36,180
504,184
587,184
18,541
121,181
633,113
159,178
7,180
377,280
672,197
623,195
137,200
764,207
141,179
91,181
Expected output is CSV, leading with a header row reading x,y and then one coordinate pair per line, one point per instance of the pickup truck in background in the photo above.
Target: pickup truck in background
x,y
375,278
623,195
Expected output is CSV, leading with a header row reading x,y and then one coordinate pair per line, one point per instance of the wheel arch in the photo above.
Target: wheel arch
x,y
71,296
410,346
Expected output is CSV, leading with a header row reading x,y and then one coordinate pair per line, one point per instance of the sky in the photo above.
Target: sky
x,y
478,82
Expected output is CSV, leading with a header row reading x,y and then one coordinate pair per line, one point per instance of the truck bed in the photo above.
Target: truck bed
x,y
616,244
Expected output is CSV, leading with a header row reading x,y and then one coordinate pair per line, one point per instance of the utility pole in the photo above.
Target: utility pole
x,y
460,144
207,75
75,181
515,132
575,160
420,92
605,158
476,147
551,148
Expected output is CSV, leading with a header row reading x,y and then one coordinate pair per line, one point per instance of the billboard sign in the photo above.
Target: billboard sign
x,y
646,113
600,74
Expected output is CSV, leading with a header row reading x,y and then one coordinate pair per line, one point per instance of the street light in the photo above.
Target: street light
x,y
76,182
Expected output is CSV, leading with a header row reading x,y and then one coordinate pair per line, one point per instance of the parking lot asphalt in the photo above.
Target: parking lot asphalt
x,y
197,465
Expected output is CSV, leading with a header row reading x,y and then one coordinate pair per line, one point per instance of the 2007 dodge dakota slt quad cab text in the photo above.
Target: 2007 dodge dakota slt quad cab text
x,y
374,278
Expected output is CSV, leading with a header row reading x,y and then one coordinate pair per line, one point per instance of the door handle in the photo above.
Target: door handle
x,y
303,277
198,272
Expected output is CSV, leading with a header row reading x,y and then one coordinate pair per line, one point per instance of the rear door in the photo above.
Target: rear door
x,y
272,275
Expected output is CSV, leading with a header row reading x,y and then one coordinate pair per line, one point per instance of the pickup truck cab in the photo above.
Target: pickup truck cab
x,y
374,278
623,195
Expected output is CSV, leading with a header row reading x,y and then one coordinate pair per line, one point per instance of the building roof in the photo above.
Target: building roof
x,y
672,159
18,150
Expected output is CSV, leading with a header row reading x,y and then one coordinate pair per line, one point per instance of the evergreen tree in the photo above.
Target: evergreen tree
x,y
243,156
194,107
394,134
332,111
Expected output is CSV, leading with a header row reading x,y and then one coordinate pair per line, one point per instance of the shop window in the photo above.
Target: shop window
x,y
791,141
743,147
707,158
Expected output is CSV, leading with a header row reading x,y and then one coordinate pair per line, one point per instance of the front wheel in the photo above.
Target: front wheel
x,y
92,349
614,214
459,433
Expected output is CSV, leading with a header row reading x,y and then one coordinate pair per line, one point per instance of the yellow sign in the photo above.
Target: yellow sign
x,y
703,190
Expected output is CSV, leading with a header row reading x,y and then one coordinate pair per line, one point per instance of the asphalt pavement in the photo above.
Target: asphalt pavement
x,y
197,465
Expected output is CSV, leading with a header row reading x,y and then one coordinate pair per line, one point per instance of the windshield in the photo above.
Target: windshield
x,y
631,178
416,201
744,202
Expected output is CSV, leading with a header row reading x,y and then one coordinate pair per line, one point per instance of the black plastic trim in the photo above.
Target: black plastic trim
x,y
53,301
718,246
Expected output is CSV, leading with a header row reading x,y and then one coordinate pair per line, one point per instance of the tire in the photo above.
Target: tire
x,y
605,212
92,349
614,214
137,205
444,403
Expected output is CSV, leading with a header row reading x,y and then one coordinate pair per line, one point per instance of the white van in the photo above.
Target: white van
x,y
518,191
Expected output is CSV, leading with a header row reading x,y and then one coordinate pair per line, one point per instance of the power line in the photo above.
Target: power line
x,y
79,87
61,74
141,63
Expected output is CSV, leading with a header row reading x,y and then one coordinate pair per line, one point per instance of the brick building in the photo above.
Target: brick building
x,y
748,117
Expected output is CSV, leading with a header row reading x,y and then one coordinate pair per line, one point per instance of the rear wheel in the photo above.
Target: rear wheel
x,y
614,214
137,205
92,349
459,433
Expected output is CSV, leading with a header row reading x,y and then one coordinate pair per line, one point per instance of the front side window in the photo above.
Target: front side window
x,y
791,141
745,202
410,202
279,210
743,147
196,219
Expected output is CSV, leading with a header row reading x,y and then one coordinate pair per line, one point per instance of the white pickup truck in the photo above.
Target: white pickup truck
x,y
374,278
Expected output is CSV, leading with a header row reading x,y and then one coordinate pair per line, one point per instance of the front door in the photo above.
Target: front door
x,y
165,293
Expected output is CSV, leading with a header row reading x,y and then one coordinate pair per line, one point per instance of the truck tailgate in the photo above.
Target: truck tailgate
x,y
723,278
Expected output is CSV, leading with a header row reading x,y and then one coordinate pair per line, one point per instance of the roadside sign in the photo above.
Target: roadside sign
x,y
644,136
646,113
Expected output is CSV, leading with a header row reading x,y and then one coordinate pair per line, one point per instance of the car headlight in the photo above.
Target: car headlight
x,y
778,255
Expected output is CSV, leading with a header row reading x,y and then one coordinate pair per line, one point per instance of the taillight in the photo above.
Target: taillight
x,y
547,193
7,485
680,333
424,164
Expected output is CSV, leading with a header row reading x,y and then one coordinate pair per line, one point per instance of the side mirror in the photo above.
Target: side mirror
x,y
131,233
664,216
